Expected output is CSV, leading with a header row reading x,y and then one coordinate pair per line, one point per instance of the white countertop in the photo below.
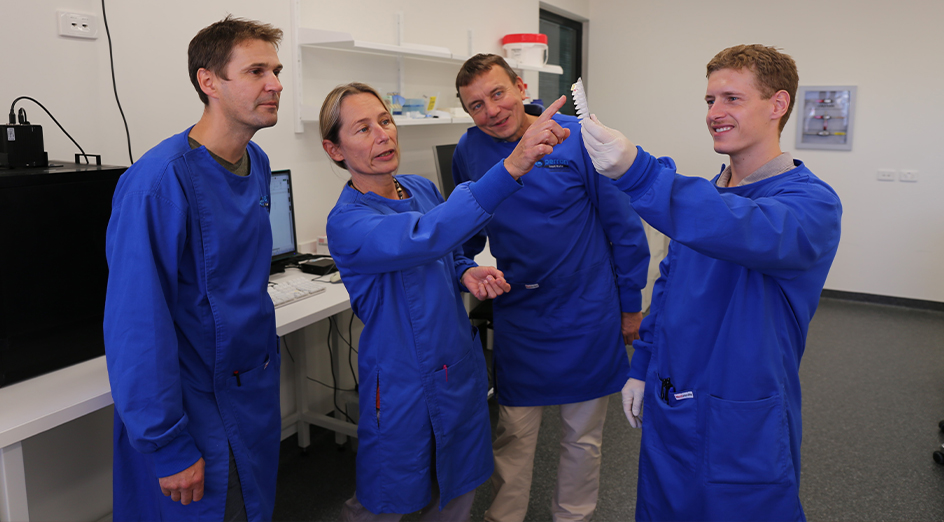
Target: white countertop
x,y
44,402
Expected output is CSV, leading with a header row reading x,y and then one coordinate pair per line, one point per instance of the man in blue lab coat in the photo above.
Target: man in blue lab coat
x,y
577,258
189,328
718,359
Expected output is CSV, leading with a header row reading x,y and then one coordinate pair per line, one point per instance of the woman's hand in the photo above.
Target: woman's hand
x,y
485,282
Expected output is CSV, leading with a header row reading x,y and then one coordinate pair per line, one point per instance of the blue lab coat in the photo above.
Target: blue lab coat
x,y
188,247
728,326
423,384
576,256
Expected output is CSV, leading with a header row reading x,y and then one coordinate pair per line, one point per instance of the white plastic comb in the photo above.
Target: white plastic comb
x,y
580,99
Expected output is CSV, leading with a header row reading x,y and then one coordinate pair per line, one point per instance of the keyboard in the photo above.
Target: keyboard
x,y
295,288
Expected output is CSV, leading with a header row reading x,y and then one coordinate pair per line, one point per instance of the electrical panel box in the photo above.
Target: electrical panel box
x,y
825,117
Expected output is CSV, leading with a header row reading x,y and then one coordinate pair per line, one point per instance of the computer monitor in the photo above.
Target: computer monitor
x,y
282,216
443,155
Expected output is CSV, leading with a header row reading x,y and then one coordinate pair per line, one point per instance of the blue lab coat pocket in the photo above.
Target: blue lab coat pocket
x,y
675,424
746,441
255,394
254,402
461,394
459,413
751,502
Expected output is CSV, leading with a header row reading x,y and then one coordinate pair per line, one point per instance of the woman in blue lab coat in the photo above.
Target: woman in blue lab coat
x,y
424,426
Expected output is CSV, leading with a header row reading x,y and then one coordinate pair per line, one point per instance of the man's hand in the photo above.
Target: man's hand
x,y
629,325
611,153
538,141
485,282
632,401
185,486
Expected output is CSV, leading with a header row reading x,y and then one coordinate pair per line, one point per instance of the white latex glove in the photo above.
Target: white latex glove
x,y
611,152
632,401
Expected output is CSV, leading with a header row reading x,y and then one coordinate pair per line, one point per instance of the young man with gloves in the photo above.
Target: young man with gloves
x,y
718,357
577,258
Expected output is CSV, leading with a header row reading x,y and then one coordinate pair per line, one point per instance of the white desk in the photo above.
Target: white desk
x,y
294,317
42,403
290,322
36,405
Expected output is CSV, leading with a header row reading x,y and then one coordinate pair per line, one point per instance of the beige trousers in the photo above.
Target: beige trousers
x,y
578,472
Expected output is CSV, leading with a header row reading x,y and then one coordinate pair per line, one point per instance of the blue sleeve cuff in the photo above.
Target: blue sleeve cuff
x,y
461,267
177,456
494,187
630,300
637,179
639,364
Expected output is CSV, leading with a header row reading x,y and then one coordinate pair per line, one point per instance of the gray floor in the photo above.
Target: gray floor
x,y
873,384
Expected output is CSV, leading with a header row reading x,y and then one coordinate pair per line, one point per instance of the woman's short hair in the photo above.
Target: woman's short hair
x,y
330,117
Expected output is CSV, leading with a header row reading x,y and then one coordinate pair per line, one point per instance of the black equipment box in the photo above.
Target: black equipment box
x,y
53,271
318,266
22,146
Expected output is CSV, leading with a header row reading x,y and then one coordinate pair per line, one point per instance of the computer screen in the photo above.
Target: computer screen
x,y
282,216
443,154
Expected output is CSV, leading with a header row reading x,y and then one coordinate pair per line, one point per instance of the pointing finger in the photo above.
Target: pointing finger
x,y
551,110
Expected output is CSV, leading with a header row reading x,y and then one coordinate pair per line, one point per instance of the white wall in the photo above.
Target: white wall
x,y
71,77
647,78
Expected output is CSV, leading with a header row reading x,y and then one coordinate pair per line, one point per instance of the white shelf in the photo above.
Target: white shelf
x,y
515,64
402,122
310,115
462,119
306,37
550,68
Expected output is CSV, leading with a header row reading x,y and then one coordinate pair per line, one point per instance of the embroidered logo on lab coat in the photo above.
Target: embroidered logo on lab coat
x,y
550,163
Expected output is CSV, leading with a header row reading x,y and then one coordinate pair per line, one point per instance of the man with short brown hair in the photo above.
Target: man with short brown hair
x,y
189,327
577,259
717,362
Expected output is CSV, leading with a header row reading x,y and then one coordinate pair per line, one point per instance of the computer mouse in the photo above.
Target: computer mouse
x,y
335,277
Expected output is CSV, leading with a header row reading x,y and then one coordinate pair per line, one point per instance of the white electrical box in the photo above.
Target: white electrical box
x,y
77,25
